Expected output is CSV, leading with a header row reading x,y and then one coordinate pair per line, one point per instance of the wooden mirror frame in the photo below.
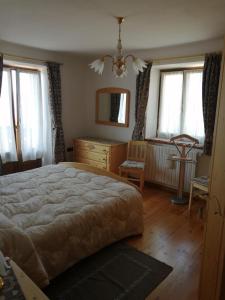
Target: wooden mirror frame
x,y
113,90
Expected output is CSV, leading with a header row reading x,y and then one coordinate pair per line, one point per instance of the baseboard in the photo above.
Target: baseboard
x,y
163,187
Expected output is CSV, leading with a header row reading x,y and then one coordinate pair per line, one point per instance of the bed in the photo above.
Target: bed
x,y
54,216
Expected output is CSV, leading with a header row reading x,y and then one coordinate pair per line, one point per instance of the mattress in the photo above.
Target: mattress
x,y
53,216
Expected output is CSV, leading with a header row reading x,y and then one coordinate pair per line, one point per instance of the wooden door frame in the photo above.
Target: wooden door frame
x,y
213,263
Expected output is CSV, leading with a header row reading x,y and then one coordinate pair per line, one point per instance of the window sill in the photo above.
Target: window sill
x,y
168,142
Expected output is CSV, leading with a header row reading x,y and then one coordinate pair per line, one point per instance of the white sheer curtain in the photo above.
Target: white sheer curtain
x,y
24,101
30,111
7,135
35,121
170,104
181,104
47,157
193,112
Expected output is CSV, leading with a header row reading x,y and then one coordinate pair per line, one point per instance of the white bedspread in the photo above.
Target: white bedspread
x,y
54,216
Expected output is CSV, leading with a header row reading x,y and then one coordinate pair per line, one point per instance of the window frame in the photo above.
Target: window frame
x,y
15,112
160,86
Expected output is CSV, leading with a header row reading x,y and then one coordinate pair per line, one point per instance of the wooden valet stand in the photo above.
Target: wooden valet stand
x,y
182,141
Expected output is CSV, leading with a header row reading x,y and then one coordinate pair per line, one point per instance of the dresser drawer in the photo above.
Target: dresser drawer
x,y
85,145
100,153
92,163
100,157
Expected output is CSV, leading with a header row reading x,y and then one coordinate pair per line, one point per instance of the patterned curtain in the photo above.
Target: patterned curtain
x,y
142,89
1,71
56,110
210,84
115,107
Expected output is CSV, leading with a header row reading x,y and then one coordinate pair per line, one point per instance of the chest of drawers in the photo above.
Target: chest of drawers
x,y
100,153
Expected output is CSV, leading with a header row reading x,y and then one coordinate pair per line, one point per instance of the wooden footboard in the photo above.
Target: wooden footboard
x,y
98,171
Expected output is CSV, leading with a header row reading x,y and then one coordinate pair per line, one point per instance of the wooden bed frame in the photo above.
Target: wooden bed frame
x,y
110,214
98,171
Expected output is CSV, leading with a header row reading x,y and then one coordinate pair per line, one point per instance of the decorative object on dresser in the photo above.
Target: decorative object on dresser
x,y
112,106
134,167
101,153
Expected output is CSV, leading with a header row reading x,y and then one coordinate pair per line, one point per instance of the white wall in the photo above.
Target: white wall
x,y
191,49
94,82
72,75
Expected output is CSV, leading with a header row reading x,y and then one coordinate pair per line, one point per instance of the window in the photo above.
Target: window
x,y
180,104
7,135
24,115
122,109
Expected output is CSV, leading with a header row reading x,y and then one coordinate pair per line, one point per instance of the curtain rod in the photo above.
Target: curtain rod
x,y
194,56
27,58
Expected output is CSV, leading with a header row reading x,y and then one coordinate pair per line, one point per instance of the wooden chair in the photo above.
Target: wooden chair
x,y
134,167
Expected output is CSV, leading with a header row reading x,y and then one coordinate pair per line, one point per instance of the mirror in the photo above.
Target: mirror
x,y
112,106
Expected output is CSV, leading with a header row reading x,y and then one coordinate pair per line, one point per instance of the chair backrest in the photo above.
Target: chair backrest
x,y
137,150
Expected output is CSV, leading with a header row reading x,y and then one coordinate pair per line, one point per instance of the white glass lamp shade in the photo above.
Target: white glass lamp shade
x,y
119,65
98,66
138,65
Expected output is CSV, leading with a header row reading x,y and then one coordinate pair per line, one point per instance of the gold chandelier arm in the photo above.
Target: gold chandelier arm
x,y
129,55
107,55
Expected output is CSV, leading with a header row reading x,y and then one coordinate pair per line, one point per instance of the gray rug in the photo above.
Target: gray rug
x,y
116,272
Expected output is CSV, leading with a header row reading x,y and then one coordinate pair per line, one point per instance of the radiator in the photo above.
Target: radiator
x,y
159,169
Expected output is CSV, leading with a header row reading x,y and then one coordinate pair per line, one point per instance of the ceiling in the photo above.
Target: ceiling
x,y
88,26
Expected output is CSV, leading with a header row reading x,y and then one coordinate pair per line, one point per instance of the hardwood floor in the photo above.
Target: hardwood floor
x,y
173,237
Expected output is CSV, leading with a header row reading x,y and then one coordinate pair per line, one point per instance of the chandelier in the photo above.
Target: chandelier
x,y
119,61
